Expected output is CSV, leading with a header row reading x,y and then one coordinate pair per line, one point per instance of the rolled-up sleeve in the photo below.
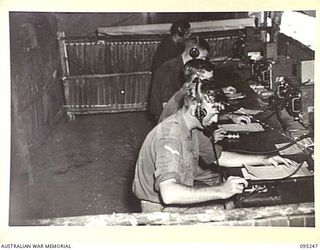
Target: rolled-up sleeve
x,y
168,159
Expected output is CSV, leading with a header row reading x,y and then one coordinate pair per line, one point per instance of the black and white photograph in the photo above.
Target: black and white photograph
x,y
163,119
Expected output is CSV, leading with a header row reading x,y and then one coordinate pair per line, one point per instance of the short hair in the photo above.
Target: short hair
x,y
196,41
179,26
195,66
207,91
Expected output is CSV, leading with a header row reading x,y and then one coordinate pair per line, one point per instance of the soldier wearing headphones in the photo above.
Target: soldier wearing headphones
x,y
202,69
172,46
169,77
167,166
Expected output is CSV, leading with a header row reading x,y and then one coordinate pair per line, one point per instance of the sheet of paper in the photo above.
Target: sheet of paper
x,y
271,172
247,111
235,96
251,127
296,148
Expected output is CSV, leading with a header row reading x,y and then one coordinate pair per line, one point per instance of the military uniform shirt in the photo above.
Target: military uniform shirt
x,y
170,151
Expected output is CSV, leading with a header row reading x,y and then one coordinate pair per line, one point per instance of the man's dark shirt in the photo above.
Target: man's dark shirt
x,y
166,51
167,80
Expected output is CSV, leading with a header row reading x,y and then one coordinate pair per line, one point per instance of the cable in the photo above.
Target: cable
x,y
217,161
276,103
259,121
304,83
276,150
273,129
268,108
228,57
267,117
293,173
216,157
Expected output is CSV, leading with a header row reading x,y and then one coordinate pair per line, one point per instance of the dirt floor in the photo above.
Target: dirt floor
x,y
84,168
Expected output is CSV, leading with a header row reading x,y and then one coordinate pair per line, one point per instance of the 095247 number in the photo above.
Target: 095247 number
x,y
308,246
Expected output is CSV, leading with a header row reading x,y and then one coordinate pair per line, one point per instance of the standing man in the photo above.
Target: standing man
x,y
172,46
166,167
169,76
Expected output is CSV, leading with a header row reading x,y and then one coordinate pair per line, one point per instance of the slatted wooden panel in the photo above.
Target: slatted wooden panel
x,y
103,57
113,75
108,57
106,93
221,46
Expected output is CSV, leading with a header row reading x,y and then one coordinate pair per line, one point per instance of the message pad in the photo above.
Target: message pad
x,y
247,111
296,148
251,127
233,96
271,172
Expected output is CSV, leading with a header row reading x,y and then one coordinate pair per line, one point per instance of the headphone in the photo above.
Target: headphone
x,y
200,112
194,51
181,31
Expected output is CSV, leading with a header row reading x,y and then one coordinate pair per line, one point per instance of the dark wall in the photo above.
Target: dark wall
x,y
194,16
36,88
84,24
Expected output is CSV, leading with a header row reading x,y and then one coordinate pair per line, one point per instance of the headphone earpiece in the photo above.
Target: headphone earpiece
x,y
181,31
200,112
194,52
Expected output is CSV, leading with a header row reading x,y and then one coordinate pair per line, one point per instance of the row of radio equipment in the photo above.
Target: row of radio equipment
x,y
291,81
251,40
294,92
293,86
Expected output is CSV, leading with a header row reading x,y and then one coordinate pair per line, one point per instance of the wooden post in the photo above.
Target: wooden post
x,y
65,69
63,54
19,135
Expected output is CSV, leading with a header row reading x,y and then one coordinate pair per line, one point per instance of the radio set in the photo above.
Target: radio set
x,y
287,96
261,72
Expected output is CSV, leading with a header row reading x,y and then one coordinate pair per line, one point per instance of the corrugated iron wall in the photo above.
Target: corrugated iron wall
x,y
292,48
114,75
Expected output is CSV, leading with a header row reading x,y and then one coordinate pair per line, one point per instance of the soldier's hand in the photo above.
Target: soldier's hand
x,y
218,134
233,185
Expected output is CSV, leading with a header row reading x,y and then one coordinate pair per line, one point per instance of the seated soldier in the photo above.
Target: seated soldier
x,y
166,168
